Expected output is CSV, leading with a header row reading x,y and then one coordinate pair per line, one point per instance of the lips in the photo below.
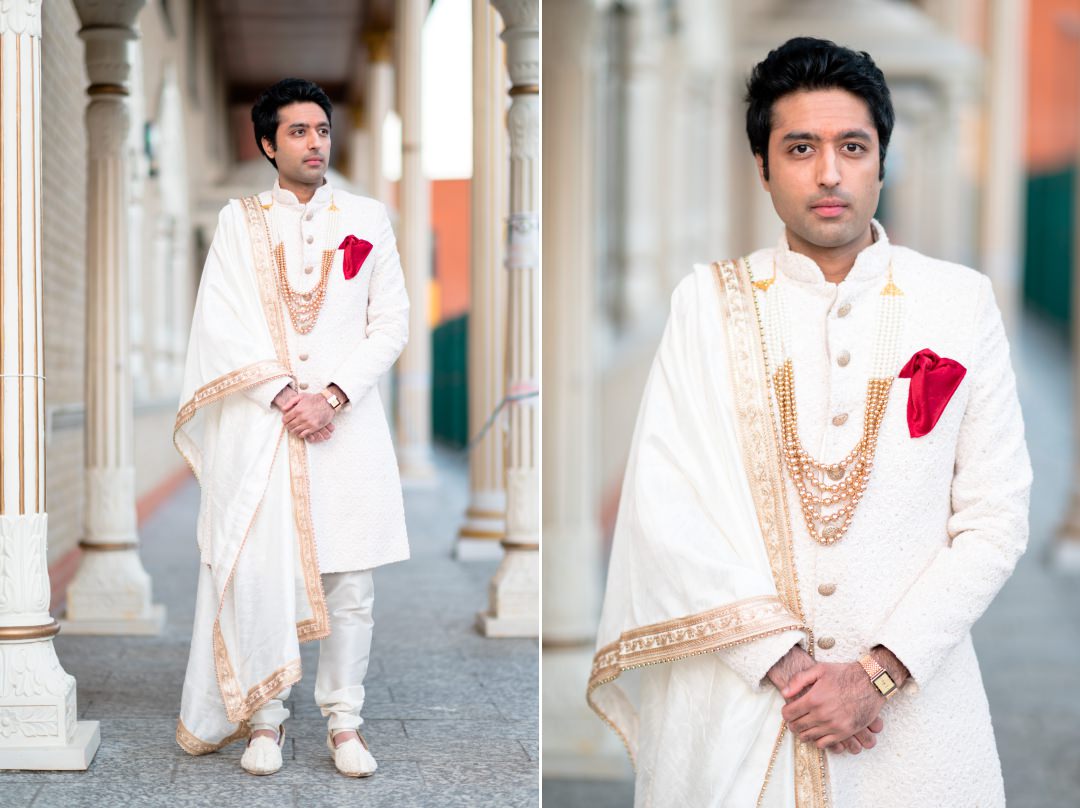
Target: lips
x,y
829,208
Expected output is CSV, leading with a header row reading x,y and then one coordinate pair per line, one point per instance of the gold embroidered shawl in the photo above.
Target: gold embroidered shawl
x,y
702,561
259,593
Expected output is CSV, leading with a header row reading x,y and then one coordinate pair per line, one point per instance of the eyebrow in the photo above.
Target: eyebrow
x,y
304,123
850,134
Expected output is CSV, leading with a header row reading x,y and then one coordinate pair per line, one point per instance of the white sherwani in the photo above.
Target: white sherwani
x,y
936,535
363,325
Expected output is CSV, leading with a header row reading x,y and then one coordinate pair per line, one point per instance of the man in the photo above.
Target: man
x,y
301,308
828,485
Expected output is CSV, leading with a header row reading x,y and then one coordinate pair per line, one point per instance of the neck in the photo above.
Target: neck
x,y
302,190
835,262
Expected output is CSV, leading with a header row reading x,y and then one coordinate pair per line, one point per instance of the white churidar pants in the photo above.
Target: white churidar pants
x,y
343,656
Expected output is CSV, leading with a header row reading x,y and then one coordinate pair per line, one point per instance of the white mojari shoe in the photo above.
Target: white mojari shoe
x,y
352,758
263,755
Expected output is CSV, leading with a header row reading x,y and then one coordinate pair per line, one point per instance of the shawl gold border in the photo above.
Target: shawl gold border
x,y
760,444
239,705
194,745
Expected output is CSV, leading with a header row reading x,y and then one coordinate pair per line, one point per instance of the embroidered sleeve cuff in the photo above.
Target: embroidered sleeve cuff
x,y
751,661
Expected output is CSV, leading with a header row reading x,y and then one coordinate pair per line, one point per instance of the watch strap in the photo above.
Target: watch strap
x,y
879,677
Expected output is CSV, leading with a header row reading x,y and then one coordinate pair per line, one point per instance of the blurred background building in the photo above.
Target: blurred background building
x,y
647,170
125,129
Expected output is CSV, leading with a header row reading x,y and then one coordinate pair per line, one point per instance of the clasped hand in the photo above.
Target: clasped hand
x,y
307,415
833,705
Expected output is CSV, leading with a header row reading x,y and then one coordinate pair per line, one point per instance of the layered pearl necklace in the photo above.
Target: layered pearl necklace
x,y
304,307
828,505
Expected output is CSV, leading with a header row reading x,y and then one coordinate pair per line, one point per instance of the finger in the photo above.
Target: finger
x,y
330,426
865,739
817,733
795,710
838,749
292,402
876,725
828,740
802,680
853,746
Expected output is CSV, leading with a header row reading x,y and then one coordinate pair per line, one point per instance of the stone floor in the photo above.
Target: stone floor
x,y
1029,639
451,717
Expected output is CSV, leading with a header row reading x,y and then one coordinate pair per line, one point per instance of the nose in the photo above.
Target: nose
x,y
828,169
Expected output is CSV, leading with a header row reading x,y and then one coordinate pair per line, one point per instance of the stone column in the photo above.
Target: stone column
x,y
515,590
571,563
38,726
1003,157
378,99
414,244
485,518
111,592
1066,550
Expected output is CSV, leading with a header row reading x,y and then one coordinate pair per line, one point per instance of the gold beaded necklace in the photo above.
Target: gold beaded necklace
x,y
828,507
304,307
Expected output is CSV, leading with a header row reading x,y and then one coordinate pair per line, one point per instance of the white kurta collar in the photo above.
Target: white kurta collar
x,y
870,264
287,199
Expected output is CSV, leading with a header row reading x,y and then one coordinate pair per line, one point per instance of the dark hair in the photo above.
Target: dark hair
x,y
805,63
264,114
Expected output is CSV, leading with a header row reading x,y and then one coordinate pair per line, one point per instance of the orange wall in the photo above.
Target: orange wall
x,y
450,234
1053,84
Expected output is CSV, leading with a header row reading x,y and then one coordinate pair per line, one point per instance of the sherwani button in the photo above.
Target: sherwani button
x,y
309,216
303,357
302,385
308,270
843,358
826,589
835,474
826,642
310,239
839,420
844,310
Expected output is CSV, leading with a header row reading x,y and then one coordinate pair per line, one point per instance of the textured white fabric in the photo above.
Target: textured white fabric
x,y
687,542
343,656
356,503
937,533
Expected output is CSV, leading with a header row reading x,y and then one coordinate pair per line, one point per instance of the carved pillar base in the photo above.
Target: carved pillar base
x,y
417,469
514,596
1065,553
577,745
111,592
38,726
485,526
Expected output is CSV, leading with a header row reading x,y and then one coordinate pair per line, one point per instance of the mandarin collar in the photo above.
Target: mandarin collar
x,y
287,199
870,264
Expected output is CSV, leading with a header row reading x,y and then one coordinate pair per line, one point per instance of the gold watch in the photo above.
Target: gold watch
x,y
332,399
879,677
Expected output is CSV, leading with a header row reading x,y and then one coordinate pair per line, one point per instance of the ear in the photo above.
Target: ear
x,y
268,147
761,171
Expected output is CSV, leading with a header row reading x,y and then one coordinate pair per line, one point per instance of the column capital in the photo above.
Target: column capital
x,y
106,13
380,45
522,38
21,17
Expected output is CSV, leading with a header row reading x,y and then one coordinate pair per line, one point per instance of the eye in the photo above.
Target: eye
x,y
800,148
853,148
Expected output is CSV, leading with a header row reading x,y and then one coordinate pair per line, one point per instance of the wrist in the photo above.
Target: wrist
x,y
891,663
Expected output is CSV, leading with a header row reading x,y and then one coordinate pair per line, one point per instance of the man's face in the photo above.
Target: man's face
x,y
823,168
303,144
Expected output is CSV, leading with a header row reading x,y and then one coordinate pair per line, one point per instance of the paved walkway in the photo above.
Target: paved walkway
x,y
451,717
1028,641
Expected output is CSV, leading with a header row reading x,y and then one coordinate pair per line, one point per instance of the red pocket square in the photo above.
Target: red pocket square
x,y
934,379
356,252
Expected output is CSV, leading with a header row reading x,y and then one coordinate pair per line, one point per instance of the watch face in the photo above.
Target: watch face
x,y
884,683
